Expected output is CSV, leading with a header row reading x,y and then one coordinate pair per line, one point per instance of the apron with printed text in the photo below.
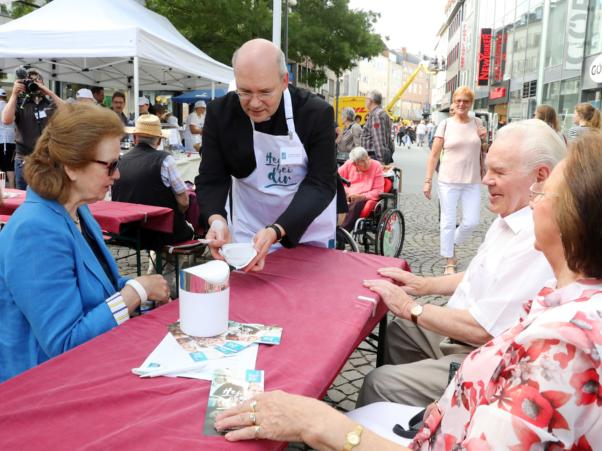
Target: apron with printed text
x,y
260,198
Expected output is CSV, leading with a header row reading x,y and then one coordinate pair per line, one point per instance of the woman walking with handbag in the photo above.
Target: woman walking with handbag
x,y
460,139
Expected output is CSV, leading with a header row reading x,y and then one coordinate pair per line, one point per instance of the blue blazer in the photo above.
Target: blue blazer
x,y
52,286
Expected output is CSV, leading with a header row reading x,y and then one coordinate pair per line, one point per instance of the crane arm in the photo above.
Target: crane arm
x,y
405,86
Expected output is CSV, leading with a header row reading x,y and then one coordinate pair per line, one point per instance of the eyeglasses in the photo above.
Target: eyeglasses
x,y
536,192
263,96
111,166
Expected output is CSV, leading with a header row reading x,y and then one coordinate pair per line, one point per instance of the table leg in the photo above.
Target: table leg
x,y
382,335
177,269
138,251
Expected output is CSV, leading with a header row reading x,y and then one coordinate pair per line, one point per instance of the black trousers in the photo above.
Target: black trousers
x,y
355,208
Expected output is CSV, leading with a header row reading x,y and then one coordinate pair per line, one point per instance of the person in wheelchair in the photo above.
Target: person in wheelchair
x,y
366,183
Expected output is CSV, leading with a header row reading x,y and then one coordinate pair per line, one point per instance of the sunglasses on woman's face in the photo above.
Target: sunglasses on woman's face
x,y
111,166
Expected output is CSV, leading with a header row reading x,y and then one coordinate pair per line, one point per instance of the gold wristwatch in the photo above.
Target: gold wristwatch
x,y
415,312
353,438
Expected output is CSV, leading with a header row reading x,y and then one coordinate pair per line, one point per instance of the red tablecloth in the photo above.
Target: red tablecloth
x,y
88,399
111,215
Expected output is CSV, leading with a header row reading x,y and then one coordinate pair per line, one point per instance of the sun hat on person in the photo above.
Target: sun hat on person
x,y
84,93
148,125
200,104
143,101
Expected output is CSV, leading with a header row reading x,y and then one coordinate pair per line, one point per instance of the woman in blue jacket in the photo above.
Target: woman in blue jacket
x,y
59,285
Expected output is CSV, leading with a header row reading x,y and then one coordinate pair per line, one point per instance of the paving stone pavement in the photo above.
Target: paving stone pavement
x,y
421,250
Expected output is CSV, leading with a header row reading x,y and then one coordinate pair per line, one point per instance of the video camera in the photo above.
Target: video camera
x,y
31,87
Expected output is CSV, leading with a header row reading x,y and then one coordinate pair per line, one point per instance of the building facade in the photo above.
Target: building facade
x,y
523,53
387,73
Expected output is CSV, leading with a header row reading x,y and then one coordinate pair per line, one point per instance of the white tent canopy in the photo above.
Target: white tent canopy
x,y
108,43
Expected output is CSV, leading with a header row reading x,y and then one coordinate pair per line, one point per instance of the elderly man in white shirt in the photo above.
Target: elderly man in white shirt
x,y
194,127
425,342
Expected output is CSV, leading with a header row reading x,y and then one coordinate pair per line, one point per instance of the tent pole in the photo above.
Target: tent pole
x,y
276,22
212,90
136,89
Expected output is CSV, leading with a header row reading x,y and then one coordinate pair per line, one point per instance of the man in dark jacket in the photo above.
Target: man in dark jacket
x,y
271,147
150,177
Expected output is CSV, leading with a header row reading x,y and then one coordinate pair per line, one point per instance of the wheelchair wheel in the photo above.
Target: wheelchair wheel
x,y
344,241
391,232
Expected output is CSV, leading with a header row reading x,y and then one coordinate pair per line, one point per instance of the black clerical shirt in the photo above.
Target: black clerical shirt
x,y
227,151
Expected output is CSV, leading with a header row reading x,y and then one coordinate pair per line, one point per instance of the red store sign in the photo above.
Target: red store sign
x,y
497,93
484,57
499,56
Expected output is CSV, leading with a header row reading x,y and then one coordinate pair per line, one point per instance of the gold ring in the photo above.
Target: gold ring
x,y
252,417
253,405
257,431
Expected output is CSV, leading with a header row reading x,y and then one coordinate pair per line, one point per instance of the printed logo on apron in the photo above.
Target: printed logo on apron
x,y
280,173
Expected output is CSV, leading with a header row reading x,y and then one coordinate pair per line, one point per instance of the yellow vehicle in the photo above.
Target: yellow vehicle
x,y
358,103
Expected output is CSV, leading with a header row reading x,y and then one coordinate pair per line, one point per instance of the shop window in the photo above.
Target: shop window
x,y
563,96
593,42
556,32
529,89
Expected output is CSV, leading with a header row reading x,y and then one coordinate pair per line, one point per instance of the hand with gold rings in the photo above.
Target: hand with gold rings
x,y
253,405
253,418
257,431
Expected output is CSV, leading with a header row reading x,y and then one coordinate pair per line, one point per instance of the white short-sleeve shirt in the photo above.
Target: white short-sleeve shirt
x,y
506,272
191,139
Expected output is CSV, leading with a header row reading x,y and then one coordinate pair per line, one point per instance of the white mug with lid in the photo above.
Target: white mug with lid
x,y
205,299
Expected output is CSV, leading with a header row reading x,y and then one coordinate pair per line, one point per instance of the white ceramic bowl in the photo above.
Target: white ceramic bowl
x,y
238,255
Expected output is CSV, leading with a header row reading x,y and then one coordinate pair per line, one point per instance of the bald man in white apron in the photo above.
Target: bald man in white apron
x,y
284,192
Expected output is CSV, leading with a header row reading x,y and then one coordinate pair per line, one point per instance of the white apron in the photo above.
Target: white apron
x,y
259,199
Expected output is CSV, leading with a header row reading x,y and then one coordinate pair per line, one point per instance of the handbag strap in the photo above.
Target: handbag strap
x,y
476,123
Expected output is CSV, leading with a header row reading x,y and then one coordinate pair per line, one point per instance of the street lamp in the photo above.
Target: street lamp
x,y
286,6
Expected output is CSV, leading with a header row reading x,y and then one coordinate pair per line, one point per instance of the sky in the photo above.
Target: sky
x,y
408,23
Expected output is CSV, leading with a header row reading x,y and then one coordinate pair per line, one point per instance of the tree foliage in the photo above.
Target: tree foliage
x,y
20,8
322,33
217,27
331,35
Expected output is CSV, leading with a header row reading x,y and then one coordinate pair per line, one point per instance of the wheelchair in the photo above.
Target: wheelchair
x,y
380,228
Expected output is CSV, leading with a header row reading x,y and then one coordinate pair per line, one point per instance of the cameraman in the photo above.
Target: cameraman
x,y
30,112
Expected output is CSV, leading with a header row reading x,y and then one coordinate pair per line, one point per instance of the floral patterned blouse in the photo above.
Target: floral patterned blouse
x,y
535,387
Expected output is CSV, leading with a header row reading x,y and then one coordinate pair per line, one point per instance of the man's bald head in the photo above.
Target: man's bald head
x,y
261,78
259,51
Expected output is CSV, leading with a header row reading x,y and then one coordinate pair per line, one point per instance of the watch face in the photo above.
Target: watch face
x,y
353,438
416,310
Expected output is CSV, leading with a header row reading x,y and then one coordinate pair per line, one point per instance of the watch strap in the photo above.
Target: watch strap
x,y
353,438
414,316
276,229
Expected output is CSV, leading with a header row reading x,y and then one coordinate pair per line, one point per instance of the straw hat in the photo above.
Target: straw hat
x,y
149,125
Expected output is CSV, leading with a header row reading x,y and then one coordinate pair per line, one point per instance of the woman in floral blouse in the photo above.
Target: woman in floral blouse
x,y
536,386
